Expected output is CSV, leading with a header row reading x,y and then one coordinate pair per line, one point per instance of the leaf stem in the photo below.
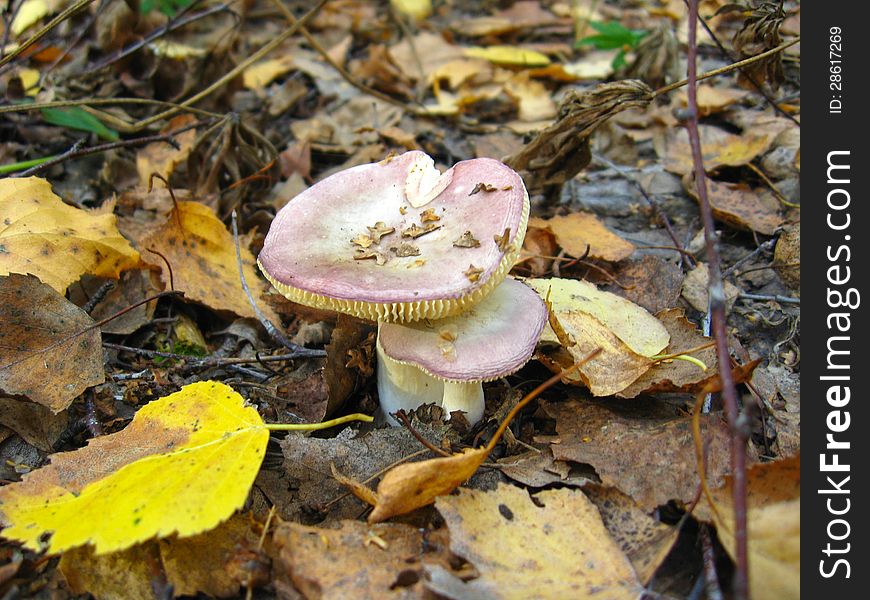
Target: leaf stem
x,y
318,426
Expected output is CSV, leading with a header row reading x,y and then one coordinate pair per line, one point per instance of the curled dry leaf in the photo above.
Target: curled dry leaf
x,y
578,232
36,424
49,349
787,256
774,526
552,545
589,318
58,243
184,464
202,254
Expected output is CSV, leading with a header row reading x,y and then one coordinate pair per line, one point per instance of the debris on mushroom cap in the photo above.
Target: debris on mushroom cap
x,y
315,249
493,339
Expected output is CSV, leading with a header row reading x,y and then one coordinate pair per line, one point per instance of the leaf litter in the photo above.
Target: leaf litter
x,y
456,82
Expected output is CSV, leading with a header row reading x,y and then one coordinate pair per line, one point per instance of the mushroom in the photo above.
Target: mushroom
x,y
445,362
399,242
377,241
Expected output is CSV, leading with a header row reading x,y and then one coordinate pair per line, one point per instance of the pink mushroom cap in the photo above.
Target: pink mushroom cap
x,y
395,240
493,339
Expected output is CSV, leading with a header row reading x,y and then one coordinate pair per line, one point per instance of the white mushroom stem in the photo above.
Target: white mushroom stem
x,y
402,386
467,397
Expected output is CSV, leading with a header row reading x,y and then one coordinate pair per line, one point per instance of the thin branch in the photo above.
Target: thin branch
x,y
746,74
727,68
739,433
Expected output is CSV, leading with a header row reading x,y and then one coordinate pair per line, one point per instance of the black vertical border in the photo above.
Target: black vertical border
x,y
827,131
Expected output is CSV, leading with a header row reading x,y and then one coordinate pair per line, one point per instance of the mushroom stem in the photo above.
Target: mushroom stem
x,y
467,397
404,386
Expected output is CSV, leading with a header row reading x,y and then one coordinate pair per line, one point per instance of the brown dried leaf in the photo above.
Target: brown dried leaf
x,y
355,560
162,158
49,350
739,205
720,148
538,245
120,575
552,545
677,375
36,424
696,289
578,230
649,456
650,281
773,522
203,258
787,256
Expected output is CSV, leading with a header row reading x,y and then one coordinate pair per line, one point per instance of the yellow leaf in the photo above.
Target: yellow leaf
x,y
589,318
160,157
30,13
56,242
203,257
509,55
578,230
552,546
638,329
416,9
262,73
29,79
175,50
184,464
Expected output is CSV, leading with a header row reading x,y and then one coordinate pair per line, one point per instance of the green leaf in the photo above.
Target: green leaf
x,y
612,35
168,7
79,119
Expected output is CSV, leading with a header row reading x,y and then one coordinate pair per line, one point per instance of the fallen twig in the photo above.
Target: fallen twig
x,y
739,433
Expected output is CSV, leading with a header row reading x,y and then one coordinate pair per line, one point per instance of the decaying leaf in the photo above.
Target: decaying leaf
x,y
696,289
162,158
356,560
50,351
760,32
677,375
740,206
773,523
201,563
578,232
787,256
36,424
561,151
590,318
552,545
184,464
649,281
720,148
56,242
647,454
645,541
203,258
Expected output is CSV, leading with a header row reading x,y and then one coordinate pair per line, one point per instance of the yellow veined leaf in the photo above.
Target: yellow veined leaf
x,y
58,243
184,464
509,55
416,9
30,80
30,13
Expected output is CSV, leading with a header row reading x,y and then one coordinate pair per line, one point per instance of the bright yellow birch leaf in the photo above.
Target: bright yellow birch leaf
x,y
30,12
415,9
184,464
58,243
509,55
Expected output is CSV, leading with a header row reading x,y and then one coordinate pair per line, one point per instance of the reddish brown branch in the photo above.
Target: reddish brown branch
x,y
739,433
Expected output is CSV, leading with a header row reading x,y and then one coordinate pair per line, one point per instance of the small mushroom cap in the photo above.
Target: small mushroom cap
x,y
378,241
493,339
